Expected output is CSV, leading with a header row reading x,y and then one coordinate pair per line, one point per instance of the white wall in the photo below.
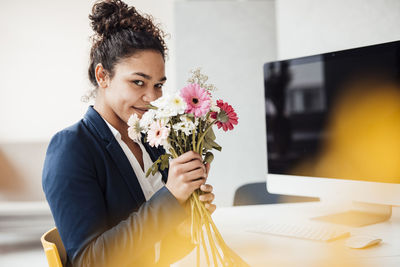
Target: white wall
x,y
42,67
306,27
45,48
43,63
230,40
44,57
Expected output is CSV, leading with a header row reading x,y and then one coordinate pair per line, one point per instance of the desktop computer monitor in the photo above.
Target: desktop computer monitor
x,y
333,129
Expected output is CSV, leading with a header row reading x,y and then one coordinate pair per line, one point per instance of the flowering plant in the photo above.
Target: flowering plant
x,y
181,122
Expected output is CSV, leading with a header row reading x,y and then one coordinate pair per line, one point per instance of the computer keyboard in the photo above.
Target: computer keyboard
x,y
302,231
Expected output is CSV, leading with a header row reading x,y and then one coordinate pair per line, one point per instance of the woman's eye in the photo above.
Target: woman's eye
x,y
159,85
138,82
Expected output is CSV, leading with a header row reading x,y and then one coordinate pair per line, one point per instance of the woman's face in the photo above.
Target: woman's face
x,y
137,81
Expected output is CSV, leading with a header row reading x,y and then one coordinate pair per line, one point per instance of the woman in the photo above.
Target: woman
x,y
107,212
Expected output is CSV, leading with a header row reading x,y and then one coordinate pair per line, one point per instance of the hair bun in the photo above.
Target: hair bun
x,y
110,16
120,31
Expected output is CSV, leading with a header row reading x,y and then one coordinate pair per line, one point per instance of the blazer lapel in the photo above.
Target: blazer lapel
x,y
154,154
126,170
116,153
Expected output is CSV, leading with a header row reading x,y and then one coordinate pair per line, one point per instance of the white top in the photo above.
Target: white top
x,y
150,184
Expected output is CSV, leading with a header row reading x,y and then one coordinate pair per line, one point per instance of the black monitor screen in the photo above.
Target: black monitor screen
x,y
335,115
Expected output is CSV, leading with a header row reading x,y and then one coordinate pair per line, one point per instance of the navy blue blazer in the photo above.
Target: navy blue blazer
x,y
96,200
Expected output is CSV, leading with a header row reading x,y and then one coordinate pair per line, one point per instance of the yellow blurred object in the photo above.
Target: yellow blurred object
x,y
364,135
54,248
367,133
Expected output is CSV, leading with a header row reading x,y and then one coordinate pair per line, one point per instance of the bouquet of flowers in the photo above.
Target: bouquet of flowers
x,y
181,122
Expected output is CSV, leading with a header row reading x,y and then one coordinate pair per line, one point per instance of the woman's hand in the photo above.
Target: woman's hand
x,y
186,174
207,197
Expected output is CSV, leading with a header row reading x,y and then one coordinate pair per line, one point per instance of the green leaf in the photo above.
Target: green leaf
x,y
149,106
207,143
164,161
208,158
210,144
148,172
217,147
210,134
154,168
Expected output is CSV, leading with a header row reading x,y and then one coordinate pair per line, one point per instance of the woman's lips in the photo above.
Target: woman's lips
x,y
140,110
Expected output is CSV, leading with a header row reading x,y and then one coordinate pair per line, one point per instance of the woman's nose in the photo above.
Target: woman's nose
x,y
151,94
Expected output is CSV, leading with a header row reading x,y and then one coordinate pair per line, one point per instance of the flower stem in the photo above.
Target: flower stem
x,y
203,242
172,150
198,255
194,141
213,247
177,141
192,220
184,138
204,134
229,255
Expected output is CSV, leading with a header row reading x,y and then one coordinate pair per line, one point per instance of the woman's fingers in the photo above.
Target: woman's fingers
x,y
197,183
192,165
207,168
188,162
194,175
206,188
186,157
210,207
186,174
208,197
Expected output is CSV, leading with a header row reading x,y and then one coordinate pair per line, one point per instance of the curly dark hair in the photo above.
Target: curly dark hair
x,y
120,31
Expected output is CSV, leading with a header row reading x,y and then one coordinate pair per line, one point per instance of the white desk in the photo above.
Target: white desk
x,y
268,250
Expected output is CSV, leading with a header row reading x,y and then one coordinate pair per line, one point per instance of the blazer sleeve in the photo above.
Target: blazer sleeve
x,y
174,247
79,209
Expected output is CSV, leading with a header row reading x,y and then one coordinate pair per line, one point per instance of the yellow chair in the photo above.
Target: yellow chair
x,y
54,248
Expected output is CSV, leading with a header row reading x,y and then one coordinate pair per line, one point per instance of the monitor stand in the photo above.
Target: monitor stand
x,y
361,214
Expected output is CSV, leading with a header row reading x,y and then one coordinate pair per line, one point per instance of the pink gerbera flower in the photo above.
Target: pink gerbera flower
x,y
197,100
227,116
157,134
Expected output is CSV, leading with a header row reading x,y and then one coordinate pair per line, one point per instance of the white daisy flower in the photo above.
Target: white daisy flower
x,y
177,104
169,105
166,145
157,134
134,128
134,134
181,126
186,125
161,101
133,119
164,113
147,119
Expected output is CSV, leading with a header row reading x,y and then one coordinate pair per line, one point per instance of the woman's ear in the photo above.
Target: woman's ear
x,y
101,76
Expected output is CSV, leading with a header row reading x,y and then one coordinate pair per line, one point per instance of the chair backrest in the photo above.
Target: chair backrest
x,y
54,248
256,193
